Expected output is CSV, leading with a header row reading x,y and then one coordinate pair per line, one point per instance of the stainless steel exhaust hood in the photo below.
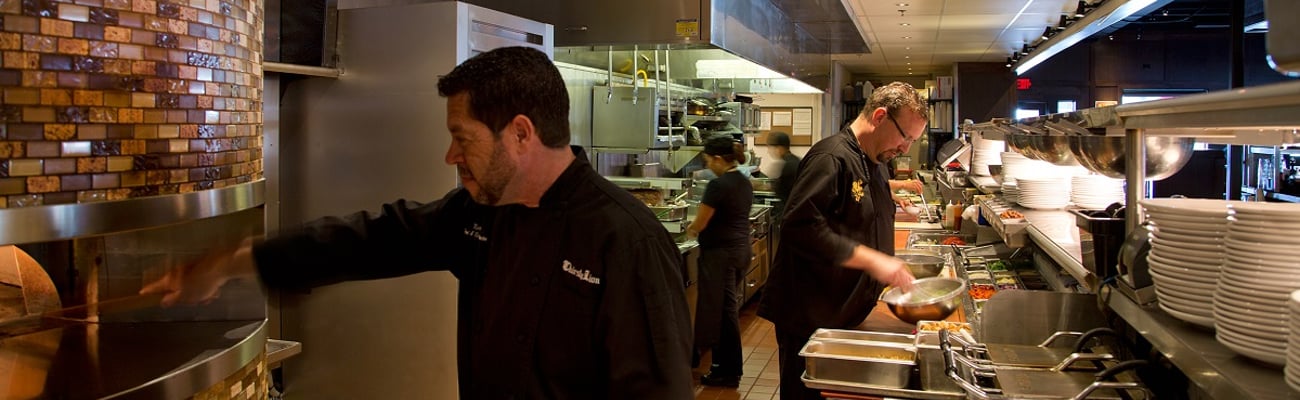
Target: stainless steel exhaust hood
x,y
792,37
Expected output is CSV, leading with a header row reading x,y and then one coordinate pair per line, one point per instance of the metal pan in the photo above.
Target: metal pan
x,y
1028,383
1042,356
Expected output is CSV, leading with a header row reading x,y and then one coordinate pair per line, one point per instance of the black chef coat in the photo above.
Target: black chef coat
x,y
840,199
579,298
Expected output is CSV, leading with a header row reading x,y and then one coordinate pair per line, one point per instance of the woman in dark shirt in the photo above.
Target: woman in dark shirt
x,y
722,224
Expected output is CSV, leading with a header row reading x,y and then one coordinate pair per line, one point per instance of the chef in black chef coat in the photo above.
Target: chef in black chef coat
x,y
569,286
837,238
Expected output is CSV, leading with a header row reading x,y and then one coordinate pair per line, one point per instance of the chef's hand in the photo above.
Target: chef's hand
x,y
901,201
910,185
882,267
200,282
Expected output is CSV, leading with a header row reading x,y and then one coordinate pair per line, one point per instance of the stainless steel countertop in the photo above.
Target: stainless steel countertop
x,y
1220,372
138,360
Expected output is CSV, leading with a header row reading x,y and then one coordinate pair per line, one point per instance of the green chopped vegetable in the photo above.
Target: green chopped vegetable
x,y
997,265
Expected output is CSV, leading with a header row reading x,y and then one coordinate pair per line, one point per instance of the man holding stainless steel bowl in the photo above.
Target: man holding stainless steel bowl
x,y
569,288
837,246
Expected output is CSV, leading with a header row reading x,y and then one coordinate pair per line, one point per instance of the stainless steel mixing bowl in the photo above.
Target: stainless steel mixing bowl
x,y
922,265
1105,154
1054,149
930,299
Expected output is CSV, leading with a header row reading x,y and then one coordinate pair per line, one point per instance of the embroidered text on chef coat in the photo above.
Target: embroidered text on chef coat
x,y
584,275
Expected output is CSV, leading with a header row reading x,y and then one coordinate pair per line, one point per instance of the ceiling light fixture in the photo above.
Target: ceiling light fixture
x,y
904,24
1095,19
907,37
1009,62
1047,33
902,4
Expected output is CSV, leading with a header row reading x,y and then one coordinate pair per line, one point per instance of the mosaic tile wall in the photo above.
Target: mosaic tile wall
x,y
250,382
114,99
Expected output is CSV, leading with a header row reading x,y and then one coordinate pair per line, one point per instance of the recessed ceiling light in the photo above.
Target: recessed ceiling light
x,y
907,48
909,73
909,63
909,69
904,24
907,56
907,37
902,4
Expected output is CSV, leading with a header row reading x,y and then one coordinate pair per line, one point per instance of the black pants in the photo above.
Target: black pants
x,y
792,366
722,272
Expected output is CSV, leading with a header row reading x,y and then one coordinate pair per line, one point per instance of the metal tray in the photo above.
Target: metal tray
x,y
859,388
936,239
867,336
883,364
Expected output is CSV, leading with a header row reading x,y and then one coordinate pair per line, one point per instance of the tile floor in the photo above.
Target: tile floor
x,y
762,378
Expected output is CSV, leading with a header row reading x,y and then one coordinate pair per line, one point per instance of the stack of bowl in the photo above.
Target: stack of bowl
x,y
1293,343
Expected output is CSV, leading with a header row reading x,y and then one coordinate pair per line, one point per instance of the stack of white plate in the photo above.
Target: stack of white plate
x,y
1011,190
1187,252
1293,344
1044,192
1094,192
1015,165
1251,303
985,152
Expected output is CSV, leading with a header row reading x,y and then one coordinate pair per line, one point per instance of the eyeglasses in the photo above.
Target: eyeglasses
x,y
906,140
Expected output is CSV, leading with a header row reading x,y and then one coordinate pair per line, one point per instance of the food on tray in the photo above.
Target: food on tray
x,y
953,240
981,292
1011,214
935,326
1006,280
997,265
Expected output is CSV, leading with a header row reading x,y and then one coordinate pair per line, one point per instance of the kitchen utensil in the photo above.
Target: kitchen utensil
x,y
930,299
875,364
1042,355
921,265
1030,383
1165,155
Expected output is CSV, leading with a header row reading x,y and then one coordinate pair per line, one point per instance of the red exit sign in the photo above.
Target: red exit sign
x,y
1023,83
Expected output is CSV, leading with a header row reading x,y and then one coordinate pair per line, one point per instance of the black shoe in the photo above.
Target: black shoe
x,y
712,379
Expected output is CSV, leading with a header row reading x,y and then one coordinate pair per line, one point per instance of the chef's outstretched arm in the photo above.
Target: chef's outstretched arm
x,y
200,281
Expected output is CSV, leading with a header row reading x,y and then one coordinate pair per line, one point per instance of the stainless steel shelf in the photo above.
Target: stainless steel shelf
x,y
67,221
1220,372
1065,251
301,69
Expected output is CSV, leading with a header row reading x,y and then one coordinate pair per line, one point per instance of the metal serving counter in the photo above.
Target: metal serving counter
x,y
1218,371
163,360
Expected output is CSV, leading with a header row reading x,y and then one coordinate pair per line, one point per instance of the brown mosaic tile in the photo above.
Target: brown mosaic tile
x,y
130,51
40,8
117,99
16,60
56,97
119,194
103,115
133,147
56,62
72,80
130,115
121,131
105,181
91,132
10,77
103,49
25,131
74,46
155,116
10,7
12,186
155,177
39,79
92,196
42,184
179,146
59,131
120,163
60,198
11,150
75,182
22,24
87,31
40,44
73,115
11,41
118,4
26,167
144,6
38,114
143,132
26,200
117,34
106,148
132,178
103,16
42,149
87,97
54,27
90,3
92,165
176,116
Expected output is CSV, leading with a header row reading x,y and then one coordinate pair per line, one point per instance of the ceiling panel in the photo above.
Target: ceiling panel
x,y
1003,7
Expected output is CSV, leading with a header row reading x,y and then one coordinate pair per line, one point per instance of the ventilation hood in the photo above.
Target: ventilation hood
x,y
793,38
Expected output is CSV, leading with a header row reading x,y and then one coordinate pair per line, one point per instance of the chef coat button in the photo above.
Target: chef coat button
x,y
536,280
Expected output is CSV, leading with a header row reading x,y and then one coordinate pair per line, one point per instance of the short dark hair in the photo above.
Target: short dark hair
x,y
778,138
896,96
511,81
727,148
